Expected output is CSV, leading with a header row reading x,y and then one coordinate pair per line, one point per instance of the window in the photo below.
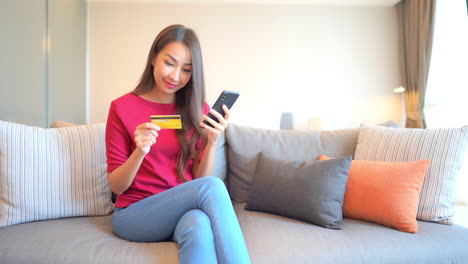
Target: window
x,y
446,102
447,88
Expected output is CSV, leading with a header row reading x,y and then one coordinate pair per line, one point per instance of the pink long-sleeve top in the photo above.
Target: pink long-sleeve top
x,y
157,172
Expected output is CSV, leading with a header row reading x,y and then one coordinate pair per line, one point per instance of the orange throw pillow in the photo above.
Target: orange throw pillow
x,y
385,193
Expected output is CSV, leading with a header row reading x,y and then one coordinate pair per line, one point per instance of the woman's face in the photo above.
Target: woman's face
x,y
172,69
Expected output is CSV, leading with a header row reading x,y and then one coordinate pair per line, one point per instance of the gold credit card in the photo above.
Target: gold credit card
x,y
167,121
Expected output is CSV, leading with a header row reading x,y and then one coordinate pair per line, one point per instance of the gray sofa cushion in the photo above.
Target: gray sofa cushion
x,y
309,191
220,166
245,143
77,240
275,239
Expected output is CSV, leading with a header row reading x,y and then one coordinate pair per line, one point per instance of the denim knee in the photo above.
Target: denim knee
x,y
195,226
213,182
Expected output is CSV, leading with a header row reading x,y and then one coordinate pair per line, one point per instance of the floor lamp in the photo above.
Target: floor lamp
x,y
401,90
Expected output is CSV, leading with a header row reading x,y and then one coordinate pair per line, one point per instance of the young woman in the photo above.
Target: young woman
x,y
161,176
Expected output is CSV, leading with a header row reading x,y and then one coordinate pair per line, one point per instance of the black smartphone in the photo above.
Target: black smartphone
x,y
227,98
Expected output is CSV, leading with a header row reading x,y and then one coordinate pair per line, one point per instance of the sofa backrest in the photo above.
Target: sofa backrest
x,y
245,143
220,165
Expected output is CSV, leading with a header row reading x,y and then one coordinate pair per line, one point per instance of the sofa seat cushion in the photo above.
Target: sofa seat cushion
x,y
294,241
77,240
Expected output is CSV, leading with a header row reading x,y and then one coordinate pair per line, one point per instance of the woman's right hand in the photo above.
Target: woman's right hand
x,y
145,136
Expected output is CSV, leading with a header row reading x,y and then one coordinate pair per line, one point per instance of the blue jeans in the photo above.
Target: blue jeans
x,y
198,215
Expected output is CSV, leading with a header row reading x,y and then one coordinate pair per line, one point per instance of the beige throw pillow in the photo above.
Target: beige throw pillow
x,y
52,173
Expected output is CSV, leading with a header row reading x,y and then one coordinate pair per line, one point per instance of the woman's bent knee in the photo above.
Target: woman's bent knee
x,y
195,217
213,182
194,224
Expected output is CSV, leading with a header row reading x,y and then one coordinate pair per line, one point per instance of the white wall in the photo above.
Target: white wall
x,y
338,64
42,65
22,66
67,61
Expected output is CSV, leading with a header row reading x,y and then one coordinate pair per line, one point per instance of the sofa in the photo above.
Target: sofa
x,y
85,236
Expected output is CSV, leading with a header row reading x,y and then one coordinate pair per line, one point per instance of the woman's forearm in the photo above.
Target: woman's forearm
x,y
122,177
206,165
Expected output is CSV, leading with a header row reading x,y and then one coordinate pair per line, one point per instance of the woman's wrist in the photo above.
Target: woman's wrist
x,y
211,144
139,153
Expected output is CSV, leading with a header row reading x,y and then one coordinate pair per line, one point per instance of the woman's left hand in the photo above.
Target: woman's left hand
x,y
218,128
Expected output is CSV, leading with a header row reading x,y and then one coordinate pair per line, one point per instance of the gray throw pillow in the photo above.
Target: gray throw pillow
x,y
307,191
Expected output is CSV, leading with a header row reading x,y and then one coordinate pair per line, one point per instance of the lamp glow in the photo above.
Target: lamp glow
x,y
400,89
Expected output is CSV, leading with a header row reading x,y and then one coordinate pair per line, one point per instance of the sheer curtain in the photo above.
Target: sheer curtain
x,y
447,88
446,102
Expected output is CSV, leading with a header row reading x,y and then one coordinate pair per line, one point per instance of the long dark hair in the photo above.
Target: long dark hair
x,y
189,99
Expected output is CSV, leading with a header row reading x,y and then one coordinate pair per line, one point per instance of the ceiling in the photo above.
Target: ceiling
x,y
285,2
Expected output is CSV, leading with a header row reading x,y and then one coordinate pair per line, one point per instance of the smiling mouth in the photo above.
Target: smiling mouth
x,y
170,85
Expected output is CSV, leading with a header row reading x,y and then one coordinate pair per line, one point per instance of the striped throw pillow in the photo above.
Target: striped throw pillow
x,y
52,173
444,147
